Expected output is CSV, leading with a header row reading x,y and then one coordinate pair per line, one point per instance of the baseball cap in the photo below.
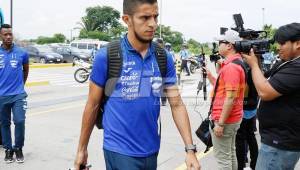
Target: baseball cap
x,y
229,36
289,32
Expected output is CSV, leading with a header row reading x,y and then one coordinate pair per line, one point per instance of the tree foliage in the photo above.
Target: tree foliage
x,y
57,38
173,37
101,22
270,34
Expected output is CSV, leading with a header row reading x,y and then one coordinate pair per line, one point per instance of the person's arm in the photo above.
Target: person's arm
x,y
182,122
264,89
25,72
210,77
25,64
88,121
226,110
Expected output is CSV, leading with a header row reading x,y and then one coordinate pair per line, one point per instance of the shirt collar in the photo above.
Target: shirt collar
x,y
12,48
129,47
232,57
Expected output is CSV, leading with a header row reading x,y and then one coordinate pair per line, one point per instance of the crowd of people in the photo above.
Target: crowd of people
x,y
243,94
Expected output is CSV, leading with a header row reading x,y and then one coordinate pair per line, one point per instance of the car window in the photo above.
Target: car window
x,y
91,46
45,49
75,50
74,45
67,50
82,46
59,50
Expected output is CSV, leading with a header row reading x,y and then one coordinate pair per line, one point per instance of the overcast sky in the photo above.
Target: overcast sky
x,y
198,19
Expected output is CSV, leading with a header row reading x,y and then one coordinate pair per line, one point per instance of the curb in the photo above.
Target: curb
x,y
37,83
50,65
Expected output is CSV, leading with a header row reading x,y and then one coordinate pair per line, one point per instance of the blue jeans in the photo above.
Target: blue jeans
x,y
15,105
116,161
270,158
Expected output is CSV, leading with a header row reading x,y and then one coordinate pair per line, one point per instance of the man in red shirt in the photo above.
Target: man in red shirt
x,y
227,110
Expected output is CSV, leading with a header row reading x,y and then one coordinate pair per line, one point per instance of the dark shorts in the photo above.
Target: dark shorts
x,y
116,161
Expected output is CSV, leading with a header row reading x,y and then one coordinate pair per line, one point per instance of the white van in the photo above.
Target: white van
x,y
87,45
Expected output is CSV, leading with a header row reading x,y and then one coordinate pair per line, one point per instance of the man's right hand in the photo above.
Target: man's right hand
x,y
81,159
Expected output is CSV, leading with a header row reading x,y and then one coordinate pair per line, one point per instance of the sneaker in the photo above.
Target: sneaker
x,y
247,168
9,156
19,156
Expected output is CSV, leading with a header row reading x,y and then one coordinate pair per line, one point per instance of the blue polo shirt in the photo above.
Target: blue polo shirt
x,y
131,114
11,71
184,54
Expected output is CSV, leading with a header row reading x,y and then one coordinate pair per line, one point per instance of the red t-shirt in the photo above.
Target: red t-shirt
x,y
232,78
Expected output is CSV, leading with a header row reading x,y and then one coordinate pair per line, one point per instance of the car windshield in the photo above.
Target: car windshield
x,y
75,50
45,49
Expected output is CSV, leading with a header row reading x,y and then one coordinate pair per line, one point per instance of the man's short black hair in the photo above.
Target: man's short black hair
x,y
5,26
289,32
130,5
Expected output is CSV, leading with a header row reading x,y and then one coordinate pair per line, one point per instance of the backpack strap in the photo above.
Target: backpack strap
x,y
161,58
114,66
243,65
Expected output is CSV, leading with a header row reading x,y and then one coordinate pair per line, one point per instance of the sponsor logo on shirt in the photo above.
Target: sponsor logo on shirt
x,y
14,61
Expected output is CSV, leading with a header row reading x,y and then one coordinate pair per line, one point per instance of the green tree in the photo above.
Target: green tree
x,y
270,34
170,36
57,38
60,38
194,46
95,35
101,22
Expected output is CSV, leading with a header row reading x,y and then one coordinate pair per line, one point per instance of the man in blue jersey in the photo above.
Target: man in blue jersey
x,y
14,70
131,131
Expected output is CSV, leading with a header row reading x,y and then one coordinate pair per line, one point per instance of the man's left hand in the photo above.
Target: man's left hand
x,y
191,161
250,58
218,130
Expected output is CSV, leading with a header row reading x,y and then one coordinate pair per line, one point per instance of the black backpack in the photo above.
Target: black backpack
x,y
250,96
114,68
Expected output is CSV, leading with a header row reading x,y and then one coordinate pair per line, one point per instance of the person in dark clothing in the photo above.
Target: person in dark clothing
x,y
245,138
279,109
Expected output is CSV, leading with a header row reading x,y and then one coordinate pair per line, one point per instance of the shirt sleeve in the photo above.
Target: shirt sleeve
x,y
170,78
99,71
232,77
287,79
25,58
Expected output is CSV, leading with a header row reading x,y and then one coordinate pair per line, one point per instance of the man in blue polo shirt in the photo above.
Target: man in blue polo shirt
x,y
184,55
14,70
131,131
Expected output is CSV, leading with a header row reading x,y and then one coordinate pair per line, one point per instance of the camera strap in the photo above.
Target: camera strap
x,y
281,65
214,96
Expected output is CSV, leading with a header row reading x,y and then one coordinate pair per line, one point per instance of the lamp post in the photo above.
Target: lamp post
x,y
263,17
75,28
11,13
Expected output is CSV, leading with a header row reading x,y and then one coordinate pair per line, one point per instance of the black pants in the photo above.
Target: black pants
x,y
245,137
185,65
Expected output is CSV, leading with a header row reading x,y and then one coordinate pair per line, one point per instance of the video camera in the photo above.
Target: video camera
x,y
214,57
251,38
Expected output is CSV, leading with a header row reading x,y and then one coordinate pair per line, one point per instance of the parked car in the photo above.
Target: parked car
x,y
72,54
43,54
88,45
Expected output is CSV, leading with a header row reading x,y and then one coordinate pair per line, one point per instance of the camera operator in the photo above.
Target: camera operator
x,y
227,109
279,111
